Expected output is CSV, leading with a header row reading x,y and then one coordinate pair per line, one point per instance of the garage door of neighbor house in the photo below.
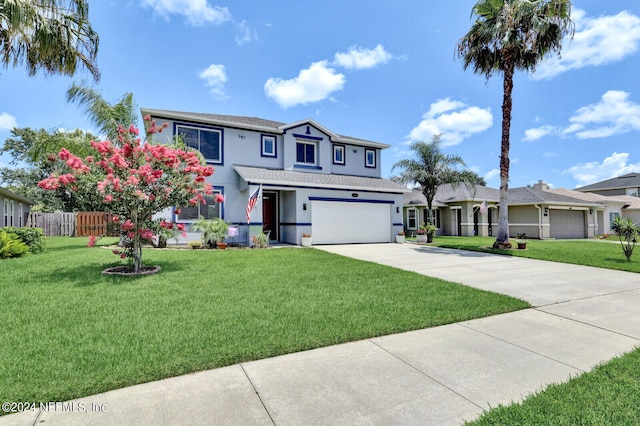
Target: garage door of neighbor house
x,y
340,222
567,224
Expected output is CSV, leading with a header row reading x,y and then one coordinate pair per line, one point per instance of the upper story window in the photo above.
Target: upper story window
x,y
268,146
370,158
207,141
306,152
338,154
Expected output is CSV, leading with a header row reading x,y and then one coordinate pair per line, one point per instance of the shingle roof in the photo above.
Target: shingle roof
x,y
527,195
317,180
631,202
252,123
624,181
15,196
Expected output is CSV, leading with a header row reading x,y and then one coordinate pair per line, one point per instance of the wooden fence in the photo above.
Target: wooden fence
x,y
81,224
53,224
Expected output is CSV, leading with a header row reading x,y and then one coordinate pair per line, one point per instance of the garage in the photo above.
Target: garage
x,y
340,222
567,224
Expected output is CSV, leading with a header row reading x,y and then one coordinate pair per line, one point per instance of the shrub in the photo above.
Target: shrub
x,y
32,237
11,245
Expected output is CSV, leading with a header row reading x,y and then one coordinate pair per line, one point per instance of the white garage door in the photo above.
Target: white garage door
x,y
337,222
567,224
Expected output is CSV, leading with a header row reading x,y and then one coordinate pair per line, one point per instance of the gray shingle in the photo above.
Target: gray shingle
x,y
624,181
316,180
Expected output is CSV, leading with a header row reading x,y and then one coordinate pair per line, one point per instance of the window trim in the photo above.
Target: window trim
x,y
200,127
415,219
336,149
367,164
263,151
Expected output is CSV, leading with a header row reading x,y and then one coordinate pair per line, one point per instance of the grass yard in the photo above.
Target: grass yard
x,y
599,253
69,331
608,395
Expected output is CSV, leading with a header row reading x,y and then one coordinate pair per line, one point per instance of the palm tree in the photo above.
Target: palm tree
x,y
50,35
432,169
107,117
510,35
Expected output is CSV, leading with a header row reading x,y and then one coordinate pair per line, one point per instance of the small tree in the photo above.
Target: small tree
x,y
135,181
627,232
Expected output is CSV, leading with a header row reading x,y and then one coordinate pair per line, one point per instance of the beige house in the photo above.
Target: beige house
x,y
536,211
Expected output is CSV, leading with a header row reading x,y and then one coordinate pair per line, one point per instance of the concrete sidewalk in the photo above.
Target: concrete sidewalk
x,y
441,375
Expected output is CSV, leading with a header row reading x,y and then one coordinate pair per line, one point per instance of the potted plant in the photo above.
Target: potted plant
x,y
400,237
521,240
213,231
195,244
306,240
430,229
260,240
421,236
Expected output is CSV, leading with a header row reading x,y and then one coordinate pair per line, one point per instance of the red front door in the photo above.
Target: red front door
x,y
270,214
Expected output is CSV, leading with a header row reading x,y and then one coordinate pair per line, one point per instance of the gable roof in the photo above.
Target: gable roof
x,y
262,175
257,124
13,195
447,194
619,182
628,202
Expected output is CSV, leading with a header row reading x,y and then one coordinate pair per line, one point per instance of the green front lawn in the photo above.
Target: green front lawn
x,y
599,253
68,331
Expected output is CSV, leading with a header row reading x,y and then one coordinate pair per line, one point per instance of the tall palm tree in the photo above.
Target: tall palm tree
x,y
106,116
50,35
510,35
433,168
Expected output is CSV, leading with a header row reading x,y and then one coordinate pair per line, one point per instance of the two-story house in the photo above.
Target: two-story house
x,y
313,180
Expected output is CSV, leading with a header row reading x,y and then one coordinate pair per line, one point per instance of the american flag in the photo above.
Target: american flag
x,y
253,199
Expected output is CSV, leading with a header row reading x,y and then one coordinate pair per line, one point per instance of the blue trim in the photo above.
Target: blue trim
x,y
295,224
263,136
313,138
398,224
324,189
305,166
198,126
344,152
366,163
350,200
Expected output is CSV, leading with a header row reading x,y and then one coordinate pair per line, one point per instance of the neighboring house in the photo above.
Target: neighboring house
x,y
537,212
14,209
628,184
313,180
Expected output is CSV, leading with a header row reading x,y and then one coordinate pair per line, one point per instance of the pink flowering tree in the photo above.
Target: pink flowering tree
x,y
135,180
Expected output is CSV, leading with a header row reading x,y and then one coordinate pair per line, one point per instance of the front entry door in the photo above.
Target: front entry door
x,y
270,214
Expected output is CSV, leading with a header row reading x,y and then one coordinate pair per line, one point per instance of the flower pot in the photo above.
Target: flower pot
x,y
306,241
222,246
522,246
429,238
421,238
399,239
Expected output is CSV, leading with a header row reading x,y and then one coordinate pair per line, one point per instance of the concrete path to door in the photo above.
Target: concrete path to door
x,y
436,376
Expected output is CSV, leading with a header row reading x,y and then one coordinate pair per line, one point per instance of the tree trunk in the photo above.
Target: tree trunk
x,y
503,218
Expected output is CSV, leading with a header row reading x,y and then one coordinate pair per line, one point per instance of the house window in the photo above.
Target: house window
x,y
370,158
306,152
11,213
6,212
338,154
632,191
268,146
435,217
20,214
210,210
412,221
207,141
613,216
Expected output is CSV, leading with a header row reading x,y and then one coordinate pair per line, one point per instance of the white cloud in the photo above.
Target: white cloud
x,y
215,77
597,41
615,165
455,120
538,133
197,12
7,121
491,174
359,58
313,84
244,34
614,114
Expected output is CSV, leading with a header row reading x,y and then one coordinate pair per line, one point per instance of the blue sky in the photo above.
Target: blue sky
x,y
368,69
